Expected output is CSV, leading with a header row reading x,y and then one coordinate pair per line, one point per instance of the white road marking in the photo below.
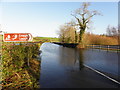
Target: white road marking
x,y
102,74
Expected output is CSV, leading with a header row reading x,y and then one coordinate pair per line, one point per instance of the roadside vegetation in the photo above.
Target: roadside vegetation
x,y
20,66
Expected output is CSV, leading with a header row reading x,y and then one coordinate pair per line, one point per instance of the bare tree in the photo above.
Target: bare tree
x,y
119,35
61,33
72,24
83,17
67,33
112,31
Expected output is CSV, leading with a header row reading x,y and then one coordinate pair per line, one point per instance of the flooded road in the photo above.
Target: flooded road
x,y
63,67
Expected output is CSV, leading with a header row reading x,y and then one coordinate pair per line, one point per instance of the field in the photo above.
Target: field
x,y
45,39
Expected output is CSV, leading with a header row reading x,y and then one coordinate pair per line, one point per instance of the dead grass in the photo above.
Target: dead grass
x,y
99,40
26,79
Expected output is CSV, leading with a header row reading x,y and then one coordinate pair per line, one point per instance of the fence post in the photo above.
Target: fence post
x,y
99,47
92,46
107,47
118,48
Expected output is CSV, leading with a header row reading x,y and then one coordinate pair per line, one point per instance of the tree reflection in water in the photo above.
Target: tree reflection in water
x,y
71,57
80,58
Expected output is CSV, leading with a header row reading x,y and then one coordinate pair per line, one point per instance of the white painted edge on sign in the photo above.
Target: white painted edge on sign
x,y
31,38
3,38
102,74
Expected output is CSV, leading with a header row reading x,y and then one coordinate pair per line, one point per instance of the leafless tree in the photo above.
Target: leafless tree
x,y
83,17
119,35
73,25
112,31
67,33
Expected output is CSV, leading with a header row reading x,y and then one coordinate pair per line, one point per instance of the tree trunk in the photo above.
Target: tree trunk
x,y
75,37
81,35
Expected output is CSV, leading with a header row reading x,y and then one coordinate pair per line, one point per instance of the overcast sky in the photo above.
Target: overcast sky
x,y
44,18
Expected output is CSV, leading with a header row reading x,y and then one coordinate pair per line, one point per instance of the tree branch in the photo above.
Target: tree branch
x,y
77,20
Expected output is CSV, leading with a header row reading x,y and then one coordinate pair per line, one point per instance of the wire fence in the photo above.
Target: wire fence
x,y
105,47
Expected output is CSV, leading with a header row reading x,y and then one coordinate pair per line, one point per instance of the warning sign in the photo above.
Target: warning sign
x,y
17,37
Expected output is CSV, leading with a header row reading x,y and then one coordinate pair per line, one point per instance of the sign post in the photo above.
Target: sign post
x,y
17,37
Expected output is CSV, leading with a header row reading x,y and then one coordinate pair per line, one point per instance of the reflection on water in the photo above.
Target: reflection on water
x,y
63,62
75,58
81,58
71,57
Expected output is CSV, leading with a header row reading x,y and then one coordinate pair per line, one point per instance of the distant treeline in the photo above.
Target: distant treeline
x,y
69,34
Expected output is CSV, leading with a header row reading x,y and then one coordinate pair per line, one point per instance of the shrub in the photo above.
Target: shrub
x,y
16,65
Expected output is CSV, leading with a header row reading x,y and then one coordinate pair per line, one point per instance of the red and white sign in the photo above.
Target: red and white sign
x,y
9,37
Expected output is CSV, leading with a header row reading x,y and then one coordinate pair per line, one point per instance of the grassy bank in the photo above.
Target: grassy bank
x,y
20,66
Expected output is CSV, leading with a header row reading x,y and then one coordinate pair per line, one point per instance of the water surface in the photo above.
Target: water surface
x,y
62,67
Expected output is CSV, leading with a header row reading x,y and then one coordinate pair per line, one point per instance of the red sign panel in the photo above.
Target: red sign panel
x,y
17,37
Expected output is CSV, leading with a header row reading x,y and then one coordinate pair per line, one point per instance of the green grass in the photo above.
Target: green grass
x,y
45,39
